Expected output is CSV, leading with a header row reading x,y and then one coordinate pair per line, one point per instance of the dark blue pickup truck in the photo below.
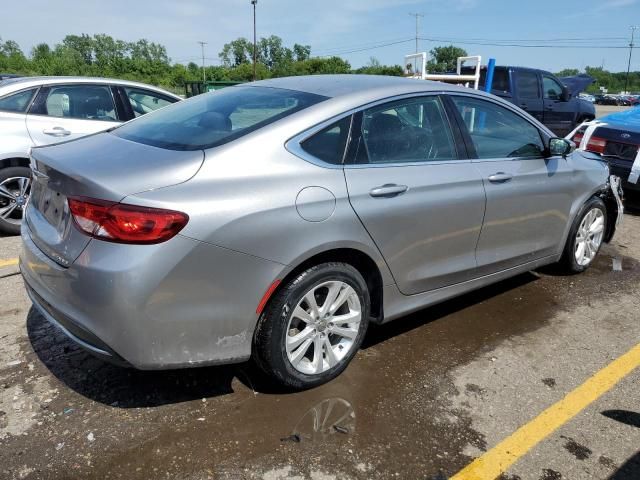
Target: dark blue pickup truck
x,y
542,95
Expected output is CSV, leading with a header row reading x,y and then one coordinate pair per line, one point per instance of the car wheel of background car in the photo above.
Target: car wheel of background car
x,y
585,237
15,186
313,326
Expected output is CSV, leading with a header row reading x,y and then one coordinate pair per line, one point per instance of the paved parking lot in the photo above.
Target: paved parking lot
x,y
426,396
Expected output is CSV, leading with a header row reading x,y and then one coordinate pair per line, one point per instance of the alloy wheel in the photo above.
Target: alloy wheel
x,y
323,327
14,195
589,237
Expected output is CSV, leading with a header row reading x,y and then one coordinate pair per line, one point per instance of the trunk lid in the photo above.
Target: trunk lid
x,y
101,166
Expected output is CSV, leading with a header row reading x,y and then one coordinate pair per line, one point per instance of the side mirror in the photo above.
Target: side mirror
x,y
561,147
565,96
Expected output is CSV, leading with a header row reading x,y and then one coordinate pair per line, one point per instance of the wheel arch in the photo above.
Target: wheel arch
x,y
14,162
361,261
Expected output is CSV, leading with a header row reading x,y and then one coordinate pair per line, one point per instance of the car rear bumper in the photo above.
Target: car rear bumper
x,y
176,304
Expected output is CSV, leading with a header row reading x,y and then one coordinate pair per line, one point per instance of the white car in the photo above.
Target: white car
x,y
44,110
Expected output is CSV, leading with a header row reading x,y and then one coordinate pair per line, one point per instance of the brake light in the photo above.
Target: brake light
x,y
577,138
122,223
596,145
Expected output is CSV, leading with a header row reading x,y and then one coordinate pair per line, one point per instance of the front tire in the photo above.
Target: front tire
x,y
15,187
313,326
585,237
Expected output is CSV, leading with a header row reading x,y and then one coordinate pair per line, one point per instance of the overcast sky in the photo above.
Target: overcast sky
x,y
342,26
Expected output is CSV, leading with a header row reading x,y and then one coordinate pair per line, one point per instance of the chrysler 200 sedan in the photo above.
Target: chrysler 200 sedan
x,y
276,220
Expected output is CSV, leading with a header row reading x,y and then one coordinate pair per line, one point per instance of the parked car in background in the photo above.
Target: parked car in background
x,y
278,218
617,141
587,97
37,111
543,96
6,76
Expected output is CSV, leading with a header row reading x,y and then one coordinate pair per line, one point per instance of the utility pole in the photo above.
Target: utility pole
x,y
255,48
204,72
626,79
418,16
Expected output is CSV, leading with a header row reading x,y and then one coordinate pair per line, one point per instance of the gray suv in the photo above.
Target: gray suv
x,y
37,111
276,219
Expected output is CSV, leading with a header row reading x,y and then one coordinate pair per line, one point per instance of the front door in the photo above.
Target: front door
x,y
64,112
528,196
558,112
421,202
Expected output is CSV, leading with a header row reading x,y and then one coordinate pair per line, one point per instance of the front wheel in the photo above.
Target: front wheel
x,y
585,237
313,326
15,187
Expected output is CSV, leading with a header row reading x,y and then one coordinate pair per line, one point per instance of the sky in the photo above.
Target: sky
x,y
356,30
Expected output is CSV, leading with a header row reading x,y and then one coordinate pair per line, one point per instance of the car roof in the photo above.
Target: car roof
x,y
14,84
334,86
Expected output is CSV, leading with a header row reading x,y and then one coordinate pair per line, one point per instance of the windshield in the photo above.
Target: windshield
x,y
212,119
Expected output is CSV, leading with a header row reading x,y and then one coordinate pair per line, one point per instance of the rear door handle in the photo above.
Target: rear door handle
x,y
524,106
56,132
500,177
388,190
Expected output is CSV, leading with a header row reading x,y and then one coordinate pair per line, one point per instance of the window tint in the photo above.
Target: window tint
x,y
552,89
18,102
413,130
86,102
498,132
328,144
500,79
144,101
215,118
527,84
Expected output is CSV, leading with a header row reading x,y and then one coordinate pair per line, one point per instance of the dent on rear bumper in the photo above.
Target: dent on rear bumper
x,y
176,304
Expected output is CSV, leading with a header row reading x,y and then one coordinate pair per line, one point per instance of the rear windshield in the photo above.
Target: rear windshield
x,y
212,119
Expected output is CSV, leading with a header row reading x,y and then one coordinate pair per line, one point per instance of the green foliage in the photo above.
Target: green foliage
x,y
444,59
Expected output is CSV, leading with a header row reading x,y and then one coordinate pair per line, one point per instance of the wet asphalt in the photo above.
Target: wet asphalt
x,y
424,397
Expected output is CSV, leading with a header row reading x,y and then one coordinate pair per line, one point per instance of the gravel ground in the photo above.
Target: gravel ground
x,y
426,394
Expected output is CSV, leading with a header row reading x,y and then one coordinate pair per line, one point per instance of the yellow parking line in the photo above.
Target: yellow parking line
x,y
506,453
8,263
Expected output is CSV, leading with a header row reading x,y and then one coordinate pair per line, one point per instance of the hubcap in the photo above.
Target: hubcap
x,y
589,236
14,195
323,327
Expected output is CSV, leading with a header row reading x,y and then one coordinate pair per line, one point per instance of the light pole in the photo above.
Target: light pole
x,y
204,74
417,15
255,49
626,79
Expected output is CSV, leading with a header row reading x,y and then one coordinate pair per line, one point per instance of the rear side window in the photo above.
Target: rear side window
x,y
216,118
527,84
144,101
329,143
84,102
406,131
497,132
18,102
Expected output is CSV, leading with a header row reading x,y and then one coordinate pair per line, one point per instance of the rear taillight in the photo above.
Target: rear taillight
x,y
596,145
577,138
122,223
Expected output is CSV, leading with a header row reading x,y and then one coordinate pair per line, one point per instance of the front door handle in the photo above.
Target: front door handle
x,y
500,177
524,106
388,190
56,132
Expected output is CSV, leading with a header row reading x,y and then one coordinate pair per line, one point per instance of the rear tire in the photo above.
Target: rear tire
x,y
15,187
585,236
302,341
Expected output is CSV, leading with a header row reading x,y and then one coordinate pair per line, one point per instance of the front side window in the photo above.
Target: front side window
x,y
215,118
144,101
18,102
329,143
527,84
552,89
84,102
406,131
497,132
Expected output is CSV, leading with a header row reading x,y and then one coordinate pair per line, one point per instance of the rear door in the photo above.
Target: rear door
x,y
558,113
420,198
529,96
68,111
529,196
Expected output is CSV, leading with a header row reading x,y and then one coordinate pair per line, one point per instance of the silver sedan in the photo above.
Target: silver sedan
x,y
276,220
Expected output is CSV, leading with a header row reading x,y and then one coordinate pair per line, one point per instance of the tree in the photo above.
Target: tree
x,y
236,53
301,52
568,72
444,59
